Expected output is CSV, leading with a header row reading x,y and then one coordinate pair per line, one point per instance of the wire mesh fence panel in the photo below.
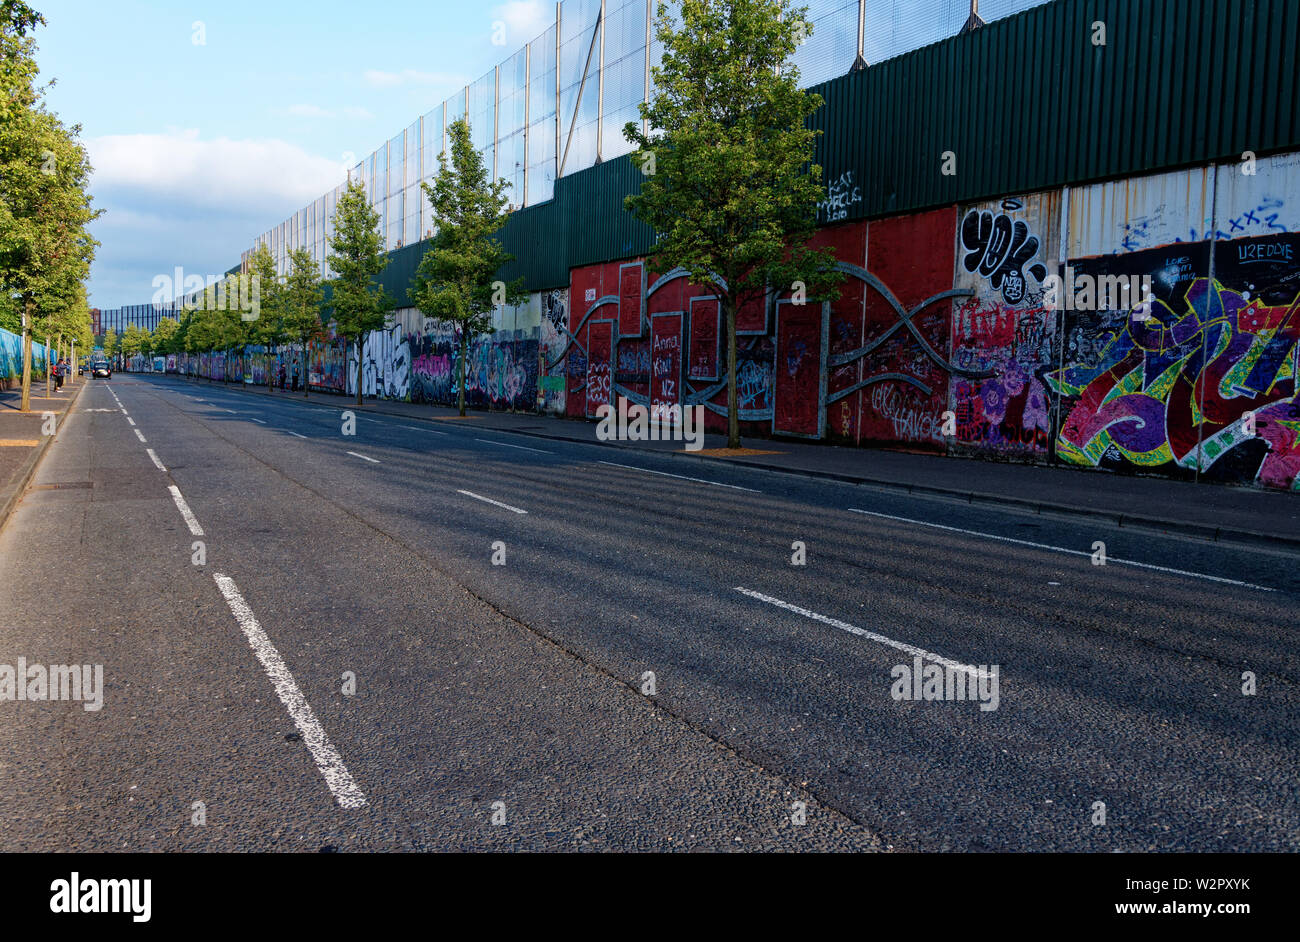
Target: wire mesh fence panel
x,y
515,125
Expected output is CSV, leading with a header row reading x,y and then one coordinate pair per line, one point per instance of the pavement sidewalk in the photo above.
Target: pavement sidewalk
x,y
1216,512
23,436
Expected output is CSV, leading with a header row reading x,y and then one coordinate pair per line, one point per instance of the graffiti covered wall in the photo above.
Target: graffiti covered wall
x,y
1003,332
1125,326
1146,325
1202,379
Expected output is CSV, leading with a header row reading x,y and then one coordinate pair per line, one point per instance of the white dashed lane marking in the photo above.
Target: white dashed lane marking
x,y
327,758
494,503
1061,549
184,508
863,633
680,477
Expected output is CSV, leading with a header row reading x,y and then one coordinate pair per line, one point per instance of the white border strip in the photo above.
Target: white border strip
x,y
154,458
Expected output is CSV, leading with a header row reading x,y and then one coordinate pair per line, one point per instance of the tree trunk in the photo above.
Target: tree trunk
x,y
49,380
464,352
25,404
733,404
360,352
306,352
270,376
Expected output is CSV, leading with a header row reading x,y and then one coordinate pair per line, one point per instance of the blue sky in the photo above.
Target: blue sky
x,y
198,148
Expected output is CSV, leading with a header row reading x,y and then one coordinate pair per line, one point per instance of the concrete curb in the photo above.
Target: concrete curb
x,y
1213,534
15,490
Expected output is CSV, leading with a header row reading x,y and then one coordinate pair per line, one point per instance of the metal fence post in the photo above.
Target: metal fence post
x,y
861,61
600,89
974,21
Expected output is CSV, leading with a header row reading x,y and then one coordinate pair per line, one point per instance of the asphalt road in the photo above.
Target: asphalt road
x,y
330,556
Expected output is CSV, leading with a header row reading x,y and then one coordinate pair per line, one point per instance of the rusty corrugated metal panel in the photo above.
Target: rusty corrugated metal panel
x,y
1138,213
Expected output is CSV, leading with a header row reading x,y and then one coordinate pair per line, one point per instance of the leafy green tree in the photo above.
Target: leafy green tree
x,y
268,329
730,188
45,248
456,280
359,304
109,343
301,304
163,336
214,326
134,341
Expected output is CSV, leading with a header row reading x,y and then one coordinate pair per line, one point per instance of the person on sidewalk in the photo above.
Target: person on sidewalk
x,y
58,375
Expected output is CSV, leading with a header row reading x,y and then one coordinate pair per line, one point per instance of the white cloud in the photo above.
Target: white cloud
x,y
182,169
525,20
177,199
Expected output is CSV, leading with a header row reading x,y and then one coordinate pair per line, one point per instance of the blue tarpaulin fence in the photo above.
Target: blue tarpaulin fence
x,y
11,357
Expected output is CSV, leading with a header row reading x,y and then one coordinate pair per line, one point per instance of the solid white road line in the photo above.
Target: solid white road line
x,y
489,441
1062,549
138,435
184,508
327,758
488,500
681,477
364,458
292,432
862,632
154,457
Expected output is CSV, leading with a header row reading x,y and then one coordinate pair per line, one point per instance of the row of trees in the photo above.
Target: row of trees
x,y
454,282
45,206
730,191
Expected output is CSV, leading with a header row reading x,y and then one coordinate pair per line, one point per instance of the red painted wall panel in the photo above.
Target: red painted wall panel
x,y
703,365
600,370
798,367
914,257
666,361
629,299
